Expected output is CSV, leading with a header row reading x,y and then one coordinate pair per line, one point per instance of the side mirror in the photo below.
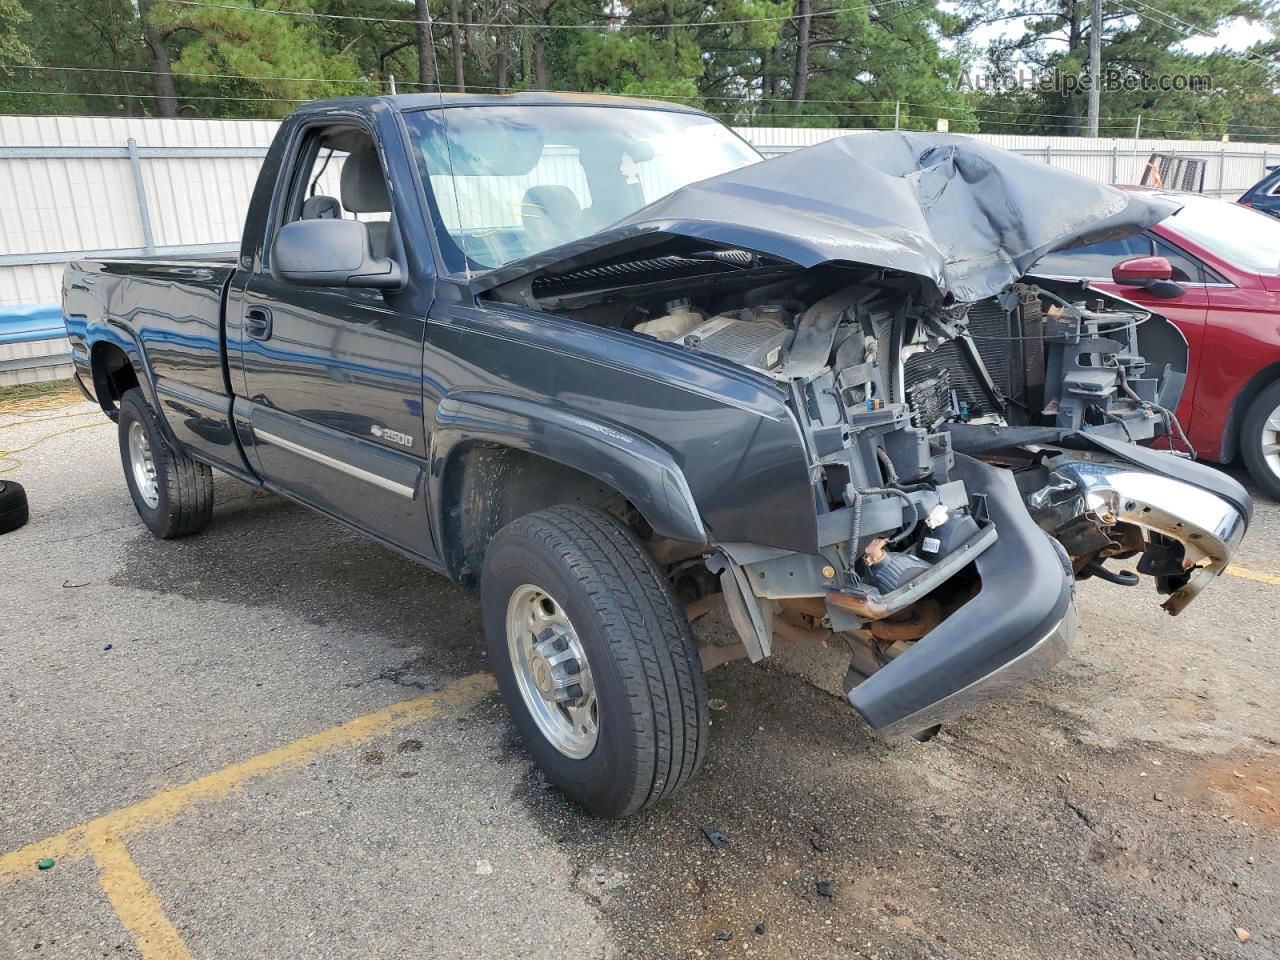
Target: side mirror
x,y
1152,274
331,253
1136,272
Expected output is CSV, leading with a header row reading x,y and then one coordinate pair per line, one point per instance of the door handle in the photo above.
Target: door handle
x,y
257,323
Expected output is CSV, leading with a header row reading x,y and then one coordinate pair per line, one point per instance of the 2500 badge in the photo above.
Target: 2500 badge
x,y
394,436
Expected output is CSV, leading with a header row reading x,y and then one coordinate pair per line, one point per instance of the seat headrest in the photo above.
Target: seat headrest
x,y
321,207
364,190
551,215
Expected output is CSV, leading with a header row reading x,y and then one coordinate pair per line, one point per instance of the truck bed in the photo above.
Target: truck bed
x,y
166,316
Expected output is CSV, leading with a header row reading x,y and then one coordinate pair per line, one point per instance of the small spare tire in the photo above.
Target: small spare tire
x,y
13,506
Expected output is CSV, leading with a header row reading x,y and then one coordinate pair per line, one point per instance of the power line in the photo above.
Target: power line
x,y
615,25
745,99
757,117
1172,22
200,76
147,96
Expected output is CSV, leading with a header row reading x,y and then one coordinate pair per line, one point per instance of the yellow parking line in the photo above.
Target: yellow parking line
x,y
1240,571
88,838
135,903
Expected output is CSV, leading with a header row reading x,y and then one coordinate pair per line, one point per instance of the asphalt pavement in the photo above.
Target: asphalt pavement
x,y
276,739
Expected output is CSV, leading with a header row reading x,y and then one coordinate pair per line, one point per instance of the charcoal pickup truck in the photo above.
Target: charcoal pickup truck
x,y
596,358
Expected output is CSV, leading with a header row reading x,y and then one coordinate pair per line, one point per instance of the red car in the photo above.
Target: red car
x,y
1224,261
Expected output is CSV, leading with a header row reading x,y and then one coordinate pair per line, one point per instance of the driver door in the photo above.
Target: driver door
x,y
332,375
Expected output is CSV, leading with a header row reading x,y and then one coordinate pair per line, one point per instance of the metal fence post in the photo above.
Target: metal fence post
x,y
1222,168
1048,154
148,239
1115,162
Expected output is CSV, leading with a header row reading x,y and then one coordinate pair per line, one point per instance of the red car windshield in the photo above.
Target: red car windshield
x,y
1240,236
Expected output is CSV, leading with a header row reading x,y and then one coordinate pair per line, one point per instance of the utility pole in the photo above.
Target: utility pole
x,y
1095,67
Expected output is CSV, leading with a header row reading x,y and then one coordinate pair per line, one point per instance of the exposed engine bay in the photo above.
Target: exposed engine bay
x,y
903,399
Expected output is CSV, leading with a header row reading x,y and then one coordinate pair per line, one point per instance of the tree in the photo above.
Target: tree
x,y
156,37
1053,46
424,45
102,36
457,43
800,78
864,61
271,61
12,48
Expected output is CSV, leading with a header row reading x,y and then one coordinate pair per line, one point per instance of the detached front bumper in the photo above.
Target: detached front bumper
x,y
1021,622
1036,660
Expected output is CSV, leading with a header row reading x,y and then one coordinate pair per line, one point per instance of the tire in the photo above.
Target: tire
x,y
1260,440
13,506
178,500
641,660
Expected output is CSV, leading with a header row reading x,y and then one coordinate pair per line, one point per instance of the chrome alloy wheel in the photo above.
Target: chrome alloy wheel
x,y
1271,441
551,669
144,465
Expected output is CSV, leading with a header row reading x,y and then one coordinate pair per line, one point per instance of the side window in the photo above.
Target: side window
x,y
1186,269
1094,260
339,177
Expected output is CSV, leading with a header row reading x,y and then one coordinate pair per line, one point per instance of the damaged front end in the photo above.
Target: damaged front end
x,y
976,443
966,483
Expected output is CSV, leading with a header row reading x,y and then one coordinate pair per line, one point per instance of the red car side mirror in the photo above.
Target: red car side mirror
x,y
1139,271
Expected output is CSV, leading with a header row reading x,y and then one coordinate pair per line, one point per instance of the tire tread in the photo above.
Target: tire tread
x,y
188,483
1251,439
649,639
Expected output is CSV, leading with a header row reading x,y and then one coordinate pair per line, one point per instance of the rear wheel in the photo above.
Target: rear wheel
x,y
172,492
1260,440
594,658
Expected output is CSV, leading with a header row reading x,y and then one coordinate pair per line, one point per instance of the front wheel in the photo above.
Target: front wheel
x,y
594,658
1260,440
173,493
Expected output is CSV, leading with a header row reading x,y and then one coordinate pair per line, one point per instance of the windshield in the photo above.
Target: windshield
x,y
511,181
1242,237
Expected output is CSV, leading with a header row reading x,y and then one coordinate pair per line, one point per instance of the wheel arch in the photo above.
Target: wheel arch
x,y
496,458
113,373
119,363
1240,409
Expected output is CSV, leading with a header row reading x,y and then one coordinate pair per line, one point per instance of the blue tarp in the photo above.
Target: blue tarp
x,y
28,322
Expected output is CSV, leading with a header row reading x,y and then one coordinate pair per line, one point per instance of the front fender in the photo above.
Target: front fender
x,y
639,469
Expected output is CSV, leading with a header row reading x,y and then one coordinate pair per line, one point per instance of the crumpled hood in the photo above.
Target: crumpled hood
x,y
970,217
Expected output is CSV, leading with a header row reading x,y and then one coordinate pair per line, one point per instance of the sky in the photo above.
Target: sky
x,y
1236,34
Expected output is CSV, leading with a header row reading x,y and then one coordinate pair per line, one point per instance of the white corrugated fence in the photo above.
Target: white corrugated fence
x,y
126,187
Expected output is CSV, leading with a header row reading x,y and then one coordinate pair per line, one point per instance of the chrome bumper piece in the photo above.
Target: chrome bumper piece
x,y
1208,527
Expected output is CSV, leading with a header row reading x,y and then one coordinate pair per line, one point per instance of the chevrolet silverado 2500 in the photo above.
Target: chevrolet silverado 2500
x,y
594,357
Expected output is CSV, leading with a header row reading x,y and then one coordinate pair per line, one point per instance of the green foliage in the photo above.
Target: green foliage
x,y
258,50
872,60
869,65
11,46
100,35
1055,43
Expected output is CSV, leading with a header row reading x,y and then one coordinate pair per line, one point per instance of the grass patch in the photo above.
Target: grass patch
x,y
24,396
